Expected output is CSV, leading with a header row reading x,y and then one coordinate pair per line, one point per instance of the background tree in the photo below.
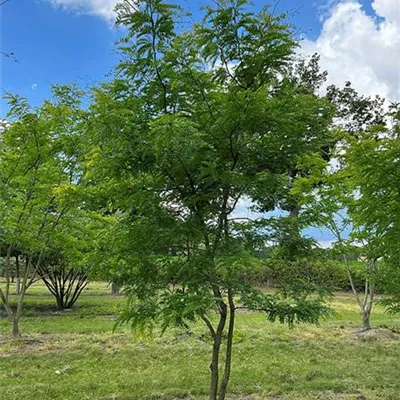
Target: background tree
x,y
373,159
331,200
196,121
15,266
354,112
40,175
65,282
330,196
66,270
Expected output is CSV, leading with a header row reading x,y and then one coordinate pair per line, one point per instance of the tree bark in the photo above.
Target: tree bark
x,y
216,350
17,278
4,300
228,357
366,315
15,327
17,285
368,303
7,270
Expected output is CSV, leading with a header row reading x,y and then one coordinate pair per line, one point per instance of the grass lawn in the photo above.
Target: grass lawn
x,y
76,355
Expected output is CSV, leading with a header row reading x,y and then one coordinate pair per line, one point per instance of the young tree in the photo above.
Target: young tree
x,y
64,282
39,177
327,206
373,159
330,194
196,121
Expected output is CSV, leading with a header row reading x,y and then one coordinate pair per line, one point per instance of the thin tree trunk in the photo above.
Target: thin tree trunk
x,y
216,350
25,285
4,300
15,327
114,288
18,285
228,357
7,272
366,315
14,318
353,288
371,300
367,304
17,278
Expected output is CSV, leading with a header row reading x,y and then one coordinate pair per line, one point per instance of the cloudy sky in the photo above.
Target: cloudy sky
x,y
60,41
72,40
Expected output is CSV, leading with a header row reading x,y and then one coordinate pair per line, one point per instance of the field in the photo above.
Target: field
x,y
76,355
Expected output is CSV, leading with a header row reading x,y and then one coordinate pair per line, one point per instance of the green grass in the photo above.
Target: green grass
x,y
75,354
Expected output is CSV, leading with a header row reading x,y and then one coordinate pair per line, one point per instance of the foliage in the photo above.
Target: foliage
x,y
350,198
144,184
373,162
64,281
41,174
196,120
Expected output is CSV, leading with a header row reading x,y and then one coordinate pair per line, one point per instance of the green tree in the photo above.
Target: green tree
x,y
67,267
331,192
373,159
40,173
195,121
328,201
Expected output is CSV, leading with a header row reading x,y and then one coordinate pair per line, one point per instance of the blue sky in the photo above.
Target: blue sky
x,y
62,41
59,45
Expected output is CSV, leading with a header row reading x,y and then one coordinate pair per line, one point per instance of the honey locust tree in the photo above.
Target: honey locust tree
x,y
196,120
40,175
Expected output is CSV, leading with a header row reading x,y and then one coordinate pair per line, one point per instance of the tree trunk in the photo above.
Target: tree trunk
x,y
366,316
17,278
114,288
18,285
60,302
369,295
15,327
228,358
216,350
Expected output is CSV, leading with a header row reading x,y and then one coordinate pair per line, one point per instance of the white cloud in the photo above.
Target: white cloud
x,y
360,48
389,9
243,210
326,244
100,8
34,86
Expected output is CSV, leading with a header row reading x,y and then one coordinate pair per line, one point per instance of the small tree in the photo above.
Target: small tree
x,y
195,122
67,266
39,176
334,194
329,201
373,160
65,281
